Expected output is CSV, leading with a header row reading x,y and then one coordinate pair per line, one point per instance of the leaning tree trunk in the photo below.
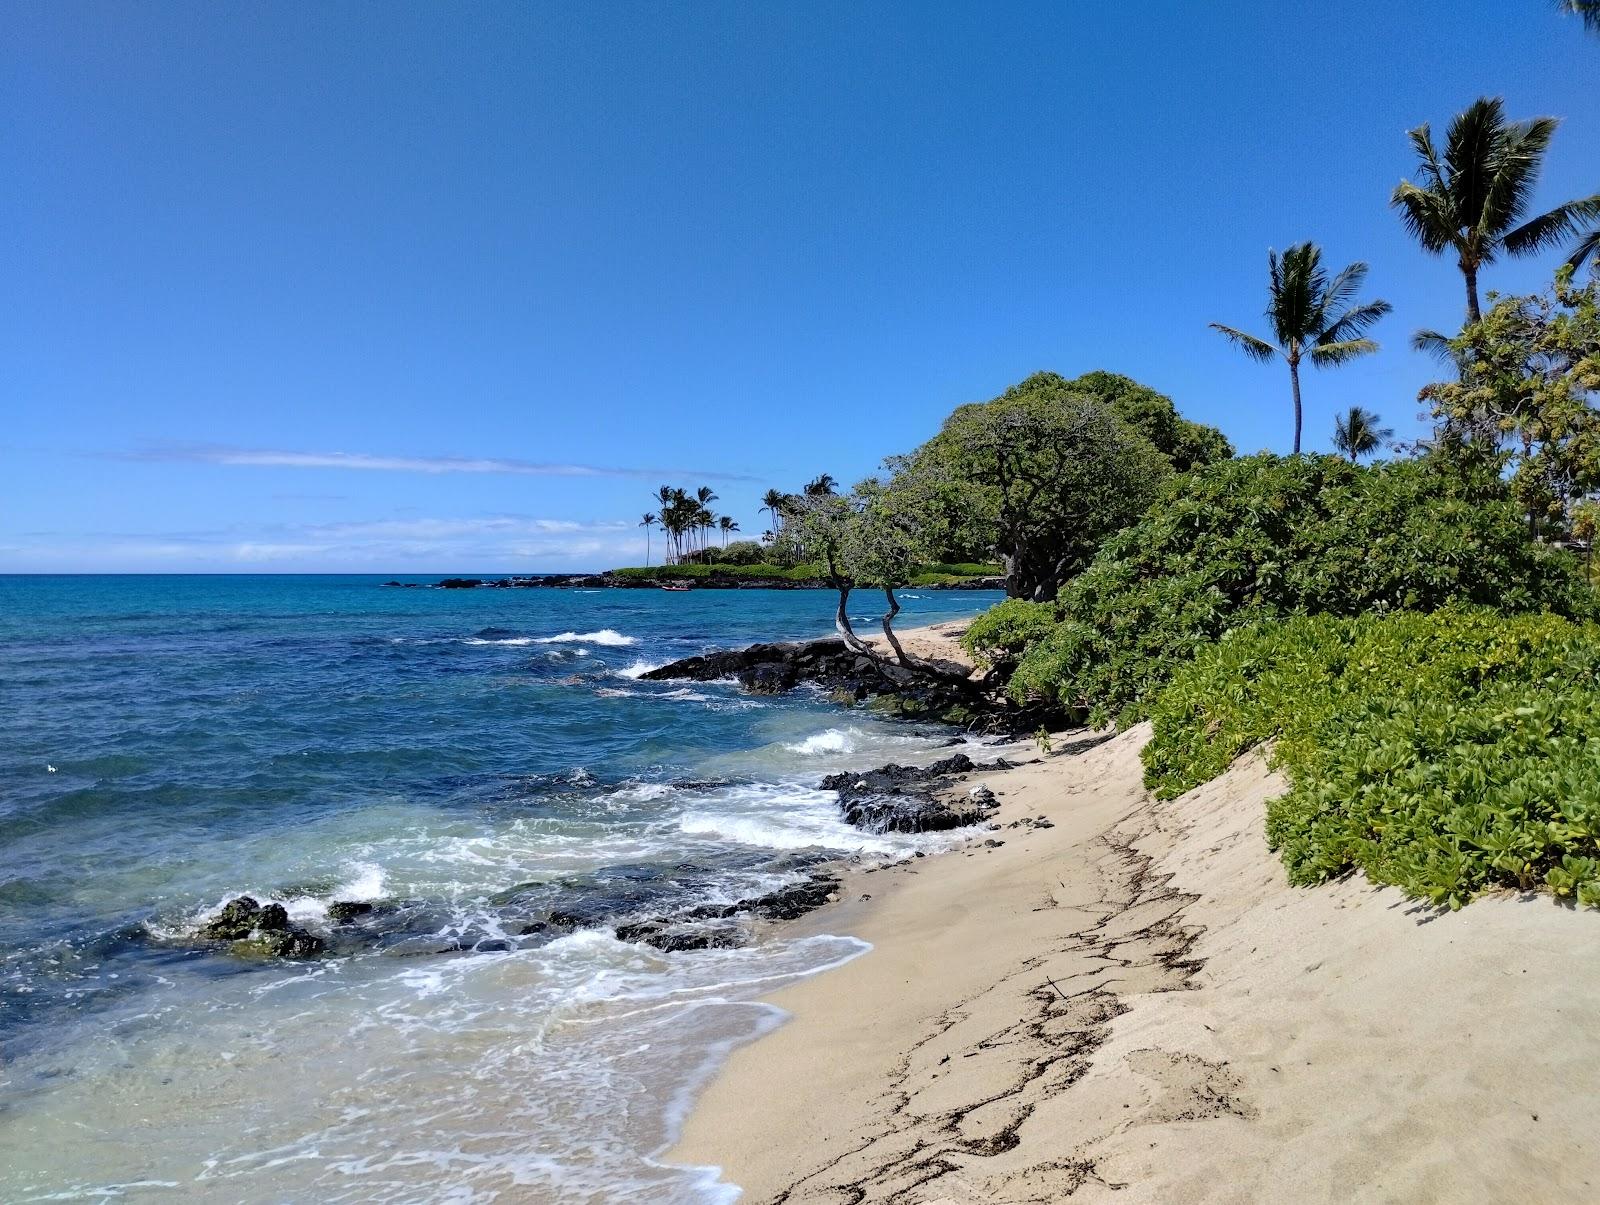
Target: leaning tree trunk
x,y
918,664
841,623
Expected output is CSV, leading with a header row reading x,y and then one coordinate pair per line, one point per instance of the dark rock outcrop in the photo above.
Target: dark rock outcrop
x,y
853,677
258,930
913,799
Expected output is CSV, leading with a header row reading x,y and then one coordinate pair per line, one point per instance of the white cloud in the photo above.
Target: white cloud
x,y
371,462
493,543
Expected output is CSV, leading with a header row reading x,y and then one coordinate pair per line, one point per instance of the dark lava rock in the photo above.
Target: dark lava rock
x,y
236,920
342,912
912,799
288,942
262,932
771,679
460,583
677,939
797,899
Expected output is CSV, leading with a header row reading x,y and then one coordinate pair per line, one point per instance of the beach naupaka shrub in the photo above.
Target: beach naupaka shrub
x,y
1269,536
1006,630
1444,753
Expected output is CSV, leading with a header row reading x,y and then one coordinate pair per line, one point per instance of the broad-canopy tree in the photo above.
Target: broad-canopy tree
x,y
1186,445
1527,396
1312,317
1037,477
1359,432
1473,199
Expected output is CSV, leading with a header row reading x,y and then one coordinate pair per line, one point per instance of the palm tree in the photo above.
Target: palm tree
x,y
647,522
1473,201
1311,316
728,526
820,486
1588,248
1357,433
773,501
1589,10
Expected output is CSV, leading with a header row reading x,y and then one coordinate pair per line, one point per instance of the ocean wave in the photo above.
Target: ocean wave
x,y
639,669
795,830
511,641
834,740
607,636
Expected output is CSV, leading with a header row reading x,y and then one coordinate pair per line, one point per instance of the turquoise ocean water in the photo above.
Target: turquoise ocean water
x,y
467,760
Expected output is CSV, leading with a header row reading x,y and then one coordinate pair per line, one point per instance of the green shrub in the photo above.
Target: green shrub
x,y
1267,536
1006,630
1442,753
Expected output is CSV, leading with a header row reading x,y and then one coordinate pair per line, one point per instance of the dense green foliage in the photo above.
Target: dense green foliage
x,y
1525,393
1443,753
1038,477
1185,444
1005,631
1267,536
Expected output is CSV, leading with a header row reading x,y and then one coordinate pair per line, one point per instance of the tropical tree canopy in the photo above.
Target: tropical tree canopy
x,y
1312,317
1038,477
1474,199
1358,432
1186,445
1527,396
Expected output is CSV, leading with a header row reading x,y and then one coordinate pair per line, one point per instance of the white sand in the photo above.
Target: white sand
x,y
1132,1005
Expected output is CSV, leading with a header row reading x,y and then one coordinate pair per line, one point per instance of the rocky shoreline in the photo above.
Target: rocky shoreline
x,y
853,678
891,799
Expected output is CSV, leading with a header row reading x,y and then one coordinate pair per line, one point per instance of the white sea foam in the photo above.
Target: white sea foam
x,y
834,740
512,641
792,832
639,669
606,636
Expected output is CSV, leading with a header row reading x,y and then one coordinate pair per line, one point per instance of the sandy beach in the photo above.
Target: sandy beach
x,y
1113,998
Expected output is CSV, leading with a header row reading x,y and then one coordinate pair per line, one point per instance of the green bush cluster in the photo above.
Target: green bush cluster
x,y
1269,536
1443,753
1006,630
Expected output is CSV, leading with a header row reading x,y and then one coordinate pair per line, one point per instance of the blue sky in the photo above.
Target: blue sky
x,y
440,288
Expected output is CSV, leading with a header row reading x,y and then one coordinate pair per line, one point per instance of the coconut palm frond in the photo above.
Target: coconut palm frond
x,y
1256,349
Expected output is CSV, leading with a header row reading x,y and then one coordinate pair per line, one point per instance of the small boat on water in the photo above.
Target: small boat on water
x,y
677,587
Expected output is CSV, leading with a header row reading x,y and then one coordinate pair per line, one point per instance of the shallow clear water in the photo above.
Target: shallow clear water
x,y
470,760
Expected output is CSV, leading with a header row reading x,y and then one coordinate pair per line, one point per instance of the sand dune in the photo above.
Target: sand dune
x,y
1131,1004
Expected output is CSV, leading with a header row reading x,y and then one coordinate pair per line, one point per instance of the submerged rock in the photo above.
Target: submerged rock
x,y
258,931
236,920
342,912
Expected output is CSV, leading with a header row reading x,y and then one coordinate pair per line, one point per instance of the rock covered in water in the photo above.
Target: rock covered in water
x,y
236,920
261,931
342,912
